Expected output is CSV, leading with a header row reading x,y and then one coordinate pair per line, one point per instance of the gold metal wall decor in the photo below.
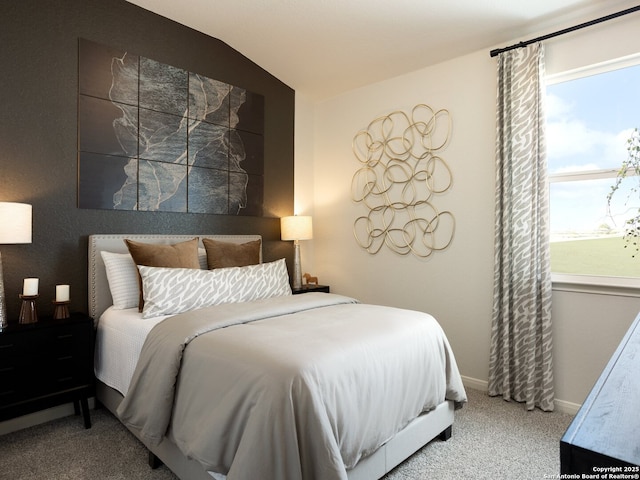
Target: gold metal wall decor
x,y
400,178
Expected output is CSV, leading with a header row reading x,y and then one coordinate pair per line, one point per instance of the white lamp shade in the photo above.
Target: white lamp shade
x,y
297,227
15,223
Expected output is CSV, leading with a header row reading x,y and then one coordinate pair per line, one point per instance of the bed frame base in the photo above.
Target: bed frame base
x,y
435,424
154,461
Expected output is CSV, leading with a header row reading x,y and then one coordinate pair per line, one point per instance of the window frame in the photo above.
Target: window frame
x,y
580,283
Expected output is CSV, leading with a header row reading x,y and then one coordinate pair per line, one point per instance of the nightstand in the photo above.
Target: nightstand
x,y
310,288
45,364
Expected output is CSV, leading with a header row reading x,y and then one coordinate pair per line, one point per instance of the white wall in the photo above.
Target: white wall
x,y
454,285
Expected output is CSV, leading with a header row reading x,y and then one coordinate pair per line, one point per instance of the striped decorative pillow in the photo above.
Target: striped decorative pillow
x,y
123,279
169,291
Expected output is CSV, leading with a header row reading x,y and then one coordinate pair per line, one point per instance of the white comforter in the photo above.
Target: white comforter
x,y
297,387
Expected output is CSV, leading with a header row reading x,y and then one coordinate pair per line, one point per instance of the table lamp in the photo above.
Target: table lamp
x,y
296,228
15,227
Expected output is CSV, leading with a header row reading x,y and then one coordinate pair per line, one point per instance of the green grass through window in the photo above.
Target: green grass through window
x,y
600,256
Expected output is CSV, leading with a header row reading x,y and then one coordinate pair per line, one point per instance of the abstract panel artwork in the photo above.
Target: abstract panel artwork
x,y
154,137
401,181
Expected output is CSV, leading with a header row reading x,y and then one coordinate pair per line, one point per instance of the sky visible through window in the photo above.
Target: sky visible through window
x,y
588,123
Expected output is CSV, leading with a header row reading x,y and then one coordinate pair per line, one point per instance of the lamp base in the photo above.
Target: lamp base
x,y
297,269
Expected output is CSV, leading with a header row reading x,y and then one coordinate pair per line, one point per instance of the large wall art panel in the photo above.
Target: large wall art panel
x,y
89,181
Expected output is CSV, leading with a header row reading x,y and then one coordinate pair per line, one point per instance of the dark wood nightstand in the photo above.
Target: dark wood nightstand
x,y
310,288
45,364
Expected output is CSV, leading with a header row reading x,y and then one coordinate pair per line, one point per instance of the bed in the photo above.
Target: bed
x,y
176,417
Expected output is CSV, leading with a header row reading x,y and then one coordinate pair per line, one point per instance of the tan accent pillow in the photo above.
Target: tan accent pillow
x,y
227,254
179,255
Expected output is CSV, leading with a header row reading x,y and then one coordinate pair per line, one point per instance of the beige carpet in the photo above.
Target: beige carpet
x,y
492,439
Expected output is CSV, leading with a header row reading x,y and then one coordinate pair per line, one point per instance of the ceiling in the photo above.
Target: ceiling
x,y
322,48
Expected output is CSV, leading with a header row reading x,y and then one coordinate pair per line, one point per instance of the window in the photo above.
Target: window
x,y
590,116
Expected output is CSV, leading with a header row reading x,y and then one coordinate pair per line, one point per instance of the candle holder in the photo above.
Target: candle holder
x,y
61,310
28,313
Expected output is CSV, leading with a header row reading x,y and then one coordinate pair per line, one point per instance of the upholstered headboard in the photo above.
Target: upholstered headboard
x,y
99,293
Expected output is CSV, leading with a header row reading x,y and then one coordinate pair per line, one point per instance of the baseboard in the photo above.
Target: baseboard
x,y
42,416
483,385
567,407
475,384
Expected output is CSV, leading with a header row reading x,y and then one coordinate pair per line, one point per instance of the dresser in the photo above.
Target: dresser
x,y
45,364
603,438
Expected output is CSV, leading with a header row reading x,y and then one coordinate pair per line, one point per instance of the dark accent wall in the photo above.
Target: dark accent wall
x,y
38,136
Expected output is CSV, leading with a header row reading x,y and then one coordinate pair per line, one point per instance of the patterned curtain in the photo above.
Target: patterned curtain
x,y
520,365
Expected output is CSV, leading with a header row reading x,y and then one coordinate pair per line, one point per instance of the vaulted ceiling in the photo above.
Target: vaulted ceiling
x,y
324,47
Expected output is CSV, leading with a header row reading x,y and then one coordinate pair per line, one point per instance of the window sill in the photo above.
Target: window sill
x,y
597,285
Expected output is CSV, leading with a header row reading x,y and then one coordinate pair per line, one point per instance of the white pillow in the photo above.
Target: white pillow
x,y
123,279
202,258
169,291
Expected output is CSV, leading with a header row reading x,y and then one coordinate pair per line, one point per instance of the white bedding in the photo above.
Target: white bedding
x,y
295,387
119,339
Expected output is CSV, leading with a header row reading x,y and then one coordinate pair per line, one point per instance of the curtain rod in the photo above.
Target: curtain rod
x,y
497,51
